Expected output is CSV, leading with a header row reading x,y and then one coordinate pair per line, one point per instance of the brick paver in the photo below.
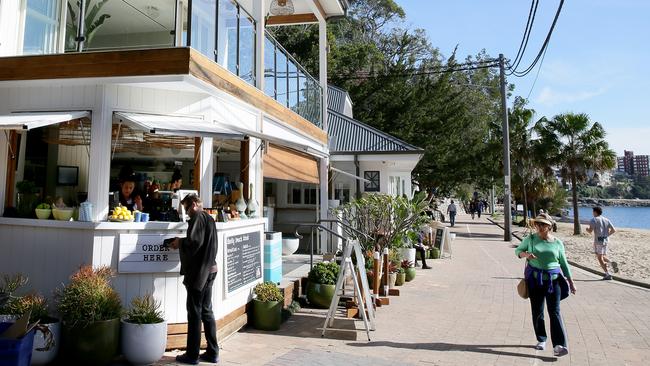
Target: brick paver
x,y
465,311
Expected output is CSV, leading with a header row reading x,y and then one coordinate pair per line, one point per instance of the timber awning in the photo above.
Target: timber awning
x,y
290,165
31,120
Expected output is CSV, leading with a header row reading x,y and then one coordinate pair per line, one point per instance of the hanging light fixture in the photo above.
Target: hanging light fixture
x,y
281,7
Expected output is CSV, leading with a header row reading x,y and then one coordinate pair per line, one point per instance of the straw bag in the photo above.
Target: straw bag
x,y
522,286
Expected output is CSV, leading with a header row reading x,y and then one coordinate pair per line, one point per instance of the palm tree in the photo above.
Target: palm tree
x,y
575,144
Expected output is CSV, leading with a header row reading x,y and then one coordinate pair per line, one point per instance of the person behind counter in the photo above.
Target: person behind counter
x,y
198,253
177,181
129,197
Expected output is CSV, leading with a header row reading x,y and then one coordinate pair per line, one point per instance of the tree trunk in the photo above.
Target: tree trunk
x,y
525,206
576,216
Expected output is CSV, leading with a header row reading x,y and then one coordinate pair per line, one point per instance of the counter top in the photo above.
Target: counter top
x,y
150,226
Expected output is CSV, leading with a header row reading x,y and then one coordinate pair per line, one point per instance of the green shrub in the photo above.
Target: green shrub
x,y
267,291
10,284
144,310
325,273
34,303
89,297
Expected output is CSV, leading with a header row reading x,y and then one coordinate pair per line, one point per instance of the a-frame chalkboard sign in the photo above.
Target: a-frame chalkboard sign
x,y
361,290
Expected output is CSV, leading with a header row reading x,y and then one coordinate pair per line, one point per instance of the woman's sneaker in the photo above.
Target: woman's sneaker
x,y
560,351
540,346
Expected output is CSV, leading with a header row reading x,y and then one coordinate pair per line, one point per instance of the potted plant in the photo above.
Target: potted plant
x,y
267,306
322,283
409,270
401,276
26,198
435,253
90,311
10,284
392,274
144,331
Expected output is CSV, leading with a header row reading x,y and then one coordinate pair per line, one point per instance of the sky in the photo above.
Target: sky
x,y
596,62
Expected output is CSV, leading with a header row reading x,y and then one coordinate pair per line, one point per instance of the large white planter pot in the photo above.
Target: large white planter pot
x,y
290,245
143,344
409,255
46,346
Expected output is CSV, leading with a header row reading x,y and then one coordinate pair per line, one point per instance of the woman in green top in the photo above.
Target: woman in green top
x,y
545,255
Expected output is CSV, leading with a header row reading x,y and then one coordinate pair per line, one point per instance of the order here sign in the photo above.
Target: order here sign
x,y
144,253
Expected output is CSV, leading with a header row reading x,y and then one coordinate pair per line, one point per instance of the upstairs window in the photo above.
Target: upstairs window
x,y
41,33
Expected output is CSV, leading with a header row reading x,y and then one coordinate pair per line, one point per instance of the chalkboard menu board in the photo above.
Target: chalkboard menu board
x,y
243,259
440,233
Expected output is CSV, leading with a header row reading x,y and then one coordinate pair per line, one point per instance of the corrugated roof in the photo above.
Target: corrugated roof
x,y
336,98
347,135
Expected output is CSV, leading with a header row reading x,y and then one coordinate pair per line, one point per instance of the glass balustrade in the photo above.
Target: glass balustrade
x,y
219,29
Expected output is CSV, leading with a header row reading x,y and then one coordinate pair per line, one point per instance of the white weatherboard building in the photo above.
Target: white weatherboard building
x,y
363,160
198,86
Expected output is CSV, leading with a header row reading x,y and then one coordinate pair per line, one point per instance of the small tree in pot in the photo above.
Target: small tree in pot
x,y
322,284
90,310
409,270
144,331
267,306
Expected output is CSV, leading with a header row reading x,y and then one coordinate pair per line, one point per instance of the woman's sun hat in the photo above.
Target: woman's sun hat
x,y
544,219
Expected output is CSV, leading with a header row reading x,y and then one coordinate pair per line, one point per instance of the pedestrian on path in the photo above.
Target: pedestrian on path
x,y
547,273
479,208
451,211
198,254
472,208
602,228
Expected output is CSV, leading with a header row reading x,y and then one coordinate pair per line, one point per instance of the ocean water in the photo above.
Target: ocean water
x,y
631,217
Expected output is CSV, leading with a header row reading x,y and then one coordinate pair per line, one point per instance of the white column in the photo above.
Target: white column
x,y
4,157
322,67
323,170
99,169
207,162
259,12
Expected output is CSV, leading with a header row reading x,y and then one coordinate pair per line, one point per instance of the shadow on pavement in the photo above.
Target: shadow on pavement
x,y
478,348
507,278
309,325
481,236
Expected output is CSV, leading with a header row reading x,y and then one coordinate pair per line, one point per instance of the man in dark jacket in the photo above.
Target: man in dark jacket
x,y
198,253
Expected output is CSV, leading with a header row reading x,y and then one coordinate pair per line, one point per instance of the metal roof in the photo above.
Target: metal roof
x,y
347,135
336,98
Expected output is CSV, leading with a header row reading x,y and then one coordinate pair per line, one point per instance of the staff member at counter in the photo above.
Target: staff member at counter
x,y
177,181
198,253
129,198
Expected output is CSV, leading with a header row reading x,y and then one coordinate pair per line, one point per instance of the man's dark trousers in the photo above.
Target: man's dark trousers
x,y
199,309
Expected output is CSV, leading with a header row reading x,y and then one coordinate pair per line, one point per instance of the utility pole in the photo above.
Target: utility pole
x,y
507,221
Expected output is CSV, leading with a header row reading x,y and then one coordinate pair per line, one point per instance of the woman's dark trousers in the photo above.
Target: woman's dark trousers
x,y
199,309
539,294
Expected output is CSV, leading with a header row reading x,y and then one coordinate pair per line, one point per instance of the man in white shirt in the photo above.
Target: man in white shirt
x,y
451,211
602,229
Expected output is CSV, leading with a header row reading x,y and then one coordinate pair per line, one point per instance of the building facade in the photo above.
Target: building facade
x,y
633,165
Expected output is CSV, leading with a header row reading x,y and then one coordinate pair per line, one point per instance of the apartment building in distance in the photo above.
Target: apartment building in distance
x,y
634,165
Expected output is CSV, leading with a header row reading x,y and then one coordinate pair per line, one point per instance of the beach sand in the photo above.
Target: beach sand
x,y
626,246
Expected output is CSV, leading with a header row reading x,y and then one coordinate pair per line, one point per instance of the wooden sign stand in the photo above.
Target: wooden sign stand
x,y
361,290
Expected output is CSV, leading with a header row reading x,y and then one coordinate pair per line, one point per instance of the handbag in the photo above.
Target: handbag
x,y
522,286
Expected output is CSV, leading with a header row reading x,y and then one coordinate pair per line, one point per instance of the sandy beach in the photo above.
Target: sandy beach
x,y
627,247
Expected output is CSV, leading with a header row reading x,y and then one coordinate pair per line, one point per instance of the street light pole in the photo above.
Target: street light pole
x,y
507,233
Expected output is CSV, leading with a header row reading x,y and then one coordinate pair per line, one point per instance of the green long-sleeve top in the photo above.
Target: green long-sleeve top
x,y
550,254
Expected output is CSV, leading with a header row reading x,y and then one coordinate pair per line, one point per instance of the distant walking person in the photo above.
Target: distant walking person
x,y
602,229
479,208
451,211
548,277
472,208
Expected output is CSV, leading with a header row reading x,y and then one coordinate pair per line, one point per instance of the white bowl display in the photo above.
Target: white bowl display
x,y
63,214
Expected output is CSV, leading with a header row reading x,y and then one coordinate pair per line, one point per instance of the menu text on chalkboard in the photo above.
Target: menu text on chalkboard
x,y
243,259
439,236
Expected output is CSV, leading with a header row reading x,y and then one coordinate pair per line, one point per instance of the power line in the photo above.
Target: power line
x,y
537,75
420,73
524,39
544,46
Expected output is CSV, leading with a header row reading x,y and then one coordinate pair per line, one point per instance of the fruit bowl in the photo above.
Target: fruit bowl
x,y
119,220
62,214
43,213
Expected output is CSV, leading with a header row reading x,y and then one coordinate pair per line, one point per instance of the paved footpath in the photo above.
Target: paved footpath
x,y
464,311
